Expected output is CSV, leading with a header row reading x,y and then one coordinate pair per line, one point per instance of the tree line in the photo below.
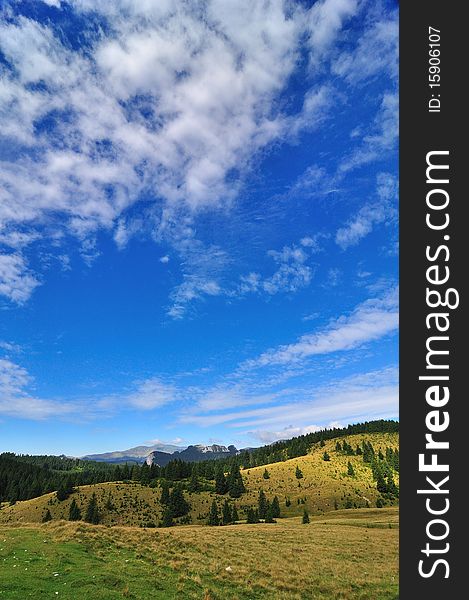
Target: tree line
x,y
23,477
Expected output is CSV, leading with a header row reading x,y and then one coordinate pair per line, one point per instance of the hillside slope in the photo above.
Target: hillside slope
x,y
324,486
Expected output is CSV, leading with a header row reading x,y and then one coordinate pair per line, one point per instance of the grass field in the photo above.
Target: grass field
x,y
344,555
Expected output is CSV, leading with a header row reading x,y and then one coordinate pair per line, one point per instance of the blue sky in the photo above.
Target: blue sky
x,y
198,221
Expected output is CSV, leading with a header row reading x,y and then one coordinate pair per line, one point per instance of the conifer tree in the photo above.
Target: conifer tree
x,y
234,482
252,516
350,470
338,447
167,518
298,472
275,505
221,486
74,512
234,514
266,474
262,505
326,456
92,514
213,515
381,485
322,443
164,498
194,485
269,515
177,503
227,515
47,516
305,519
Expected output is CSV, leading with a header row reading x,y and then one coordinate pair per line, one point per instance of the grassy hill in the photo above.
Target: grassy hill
x,y
344,555
323,487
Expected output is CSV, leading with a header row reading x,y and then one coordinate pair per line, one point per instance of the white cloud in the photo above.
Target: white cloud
x,y
150,394
267,437
380,140
16,402
17,282
166,100
292,274
370,321
349,401
370,214
377,52
326,19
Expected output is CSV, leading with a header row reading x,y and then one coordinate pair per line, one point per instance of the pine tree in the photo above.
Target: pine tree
x,y
194,485
227,515
47,516
213,518
322,443
275,505
338,447
221,486
298,473
269,515
167,518
177,503
252,516
326,456
379,503
234,514
350,470
234,482
92,514
305,519
62,493
262,505
164,498
392,487
287,502
381,485
266,474
74,512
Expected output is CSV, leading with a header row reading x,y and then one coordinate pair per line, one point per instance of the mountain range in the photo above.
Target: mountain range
x,y
162,454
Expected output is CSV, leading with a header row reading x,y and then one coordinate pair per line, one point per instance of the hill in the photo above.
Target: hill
x,y
324,485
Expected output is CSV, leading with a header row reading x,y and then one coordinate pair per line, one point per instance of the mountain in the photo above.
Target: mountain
x,y
137,454
195,453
